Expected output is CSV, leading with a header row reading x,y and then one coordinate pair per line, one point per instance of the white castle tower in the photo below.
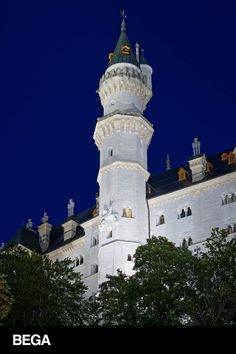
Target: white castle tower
x,y
123,135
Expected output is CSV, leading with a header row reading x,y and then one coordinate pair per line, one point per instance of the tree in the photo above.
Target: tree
x,y
215,280
117,300
45,292
155,294
5,298
172,286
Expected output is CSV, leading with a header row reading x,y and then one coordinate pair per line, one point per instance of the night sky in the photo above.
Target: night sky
x,y
52,55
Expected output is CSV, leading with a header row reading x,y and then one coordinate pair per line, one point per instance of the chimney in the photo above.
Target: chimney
x,y
197,164
44,233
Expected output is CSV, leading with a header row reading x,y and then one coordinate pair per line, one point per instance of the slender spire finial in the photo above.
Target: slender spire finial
x,y
123,24
167,162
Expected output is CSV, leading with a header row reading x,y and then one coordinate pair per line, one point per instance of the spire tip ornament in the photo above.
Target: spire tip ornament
x,y
123,24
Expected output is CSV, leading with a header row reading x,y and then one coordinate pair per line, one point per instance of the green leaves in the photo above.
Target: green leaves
x,y
5,298
45,292
173,287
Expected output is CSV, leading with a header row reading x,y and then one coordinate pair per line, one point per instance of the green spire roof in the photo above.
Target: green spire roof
x,y
142,58
123,52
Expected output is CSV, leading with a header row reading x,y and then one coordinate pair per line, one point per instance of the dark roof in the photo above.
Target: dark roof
x,y
142,58
30,238
27,238
167,181
57,236
118,56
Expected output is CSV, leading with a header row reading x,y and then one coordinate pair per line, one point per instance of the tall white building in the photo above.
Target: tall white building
x,y
182,203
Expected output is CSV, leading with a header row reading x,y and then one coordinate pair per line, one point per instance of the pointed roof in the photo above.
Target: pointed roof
x,y
123,52
142,58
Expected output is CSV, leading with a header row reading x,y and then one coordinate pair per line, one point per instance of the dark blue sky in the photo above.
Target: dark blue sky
x,y
52,57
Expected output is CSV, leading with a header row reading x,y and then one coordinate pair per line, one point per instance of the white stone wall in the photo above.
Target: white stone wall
x,y
205,201
125,147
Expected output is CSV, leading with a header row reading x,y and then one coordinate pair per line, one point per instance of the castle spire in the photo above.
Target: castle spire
x,y
123,52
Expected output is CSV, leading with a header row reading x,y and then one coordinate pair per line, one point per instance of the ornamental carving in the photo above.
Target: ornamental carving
x,y
123,123
108,216
124,79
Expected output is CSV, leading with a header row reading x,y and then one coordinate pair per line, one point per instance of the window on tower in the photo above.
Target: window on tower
x,y
127,213
94,269
129,258
94,241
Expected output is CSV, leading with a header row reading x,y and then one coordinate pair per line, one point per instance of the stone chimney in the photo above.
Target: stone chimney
x,y
197,164
44,233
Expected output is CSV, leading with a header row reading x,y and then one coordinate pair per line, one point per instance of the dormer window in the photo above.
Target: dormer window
x,y
183,174
231,158
125,49
209,167
110,56
224,156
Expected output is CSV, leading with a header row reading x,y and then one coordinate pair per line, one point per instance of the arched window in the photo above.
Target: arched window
x,y
77,262
81,260
189,211
94,269
129,258
94,241
230,229
129,213
124,213
162,219
184,243
182,215
190,241
110,234
234,227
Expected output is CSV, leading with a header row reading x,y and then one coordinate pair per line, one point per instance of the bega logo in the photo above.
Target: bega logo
x,y
28,339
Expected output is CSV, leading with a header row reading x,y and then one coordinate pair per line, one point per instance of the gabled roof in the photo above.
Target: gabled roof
x,y
121,56
167,181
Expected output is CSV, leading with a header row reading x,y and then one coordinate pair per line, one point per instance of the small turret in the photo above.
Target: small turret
x,y
146,69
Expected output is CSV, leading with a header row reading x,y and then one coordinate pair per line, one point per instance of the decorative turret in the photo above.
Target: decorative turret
x,y
126,86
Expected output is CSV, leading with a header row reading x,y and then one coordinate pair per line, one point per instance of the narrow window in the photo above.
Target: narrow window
x,y
81,260
189,211
190,241
124,213
184,243
94,241
230,229
235,227
129,258
94,269
77,262
162,219
110,234
129,213
182,215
